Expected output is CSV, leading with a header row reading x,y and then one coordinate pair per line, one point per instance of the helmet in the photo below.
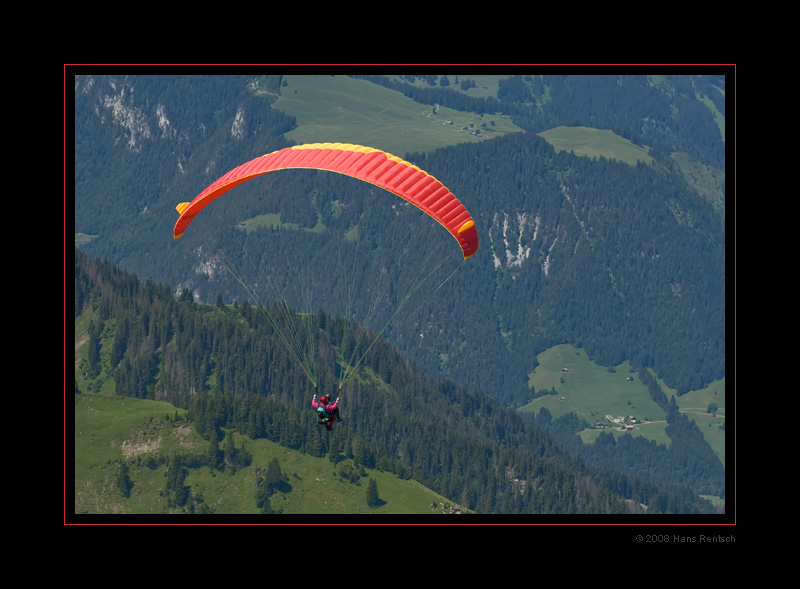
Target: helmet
x,y
324,399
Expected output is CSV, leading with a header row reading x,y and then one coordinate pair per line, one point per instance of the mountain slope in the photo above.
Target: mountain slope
x,y
625,261
221,366
125,448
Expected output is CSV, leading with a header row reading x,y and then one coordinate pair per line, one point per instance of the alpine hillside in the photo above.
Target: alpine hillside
x,y
626,260
576,363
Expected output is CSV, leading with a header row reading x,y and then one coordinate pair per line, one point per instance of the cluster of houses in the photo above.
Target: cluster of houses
x,y
475,132
620,422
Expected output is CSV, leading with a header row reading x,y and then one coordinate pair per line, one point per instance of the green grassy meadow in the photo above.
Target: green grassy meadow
x,y
695,404
110,431
273,221
312,487
347,110
588,142
486,85
594,392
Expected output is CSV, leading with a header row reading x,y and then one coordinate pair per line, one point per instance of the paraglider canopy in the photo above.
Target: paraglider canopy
x,y
296,331
364,163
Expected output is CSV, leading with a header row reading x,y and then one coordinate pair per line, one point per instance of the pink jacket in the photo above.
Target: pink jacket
x,y
329,407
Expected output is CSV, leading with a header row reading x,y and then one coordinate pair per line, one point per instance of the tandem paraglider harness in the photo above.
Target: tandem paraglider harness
x,y
327,413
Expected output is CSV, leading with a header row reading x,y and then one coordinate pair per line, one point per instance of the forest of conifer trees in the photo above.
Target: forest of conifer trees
x,y
221,365
626,262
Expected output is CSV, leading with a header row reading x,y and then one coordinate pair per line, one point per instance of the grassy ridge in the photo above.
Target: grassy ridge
x,y
110,431
347,110
312,486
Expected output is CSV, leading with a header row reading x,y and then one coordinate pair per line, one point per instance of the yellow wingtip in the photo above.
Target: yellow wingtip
x,y
468,225
182,207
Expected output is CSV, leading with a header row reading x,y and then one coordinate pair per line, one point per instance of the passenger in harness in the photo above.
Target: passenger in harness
x,y
327,411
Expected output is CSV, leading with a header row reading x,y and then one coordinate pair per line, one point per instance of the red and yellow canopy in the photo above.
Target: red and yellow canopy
x,y
365,163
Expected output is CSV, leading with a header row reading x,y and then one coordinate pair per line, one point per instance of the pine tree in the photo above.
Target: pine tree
x,y
230,458
124,483
274,475
177,493
93,353
215,457
372,493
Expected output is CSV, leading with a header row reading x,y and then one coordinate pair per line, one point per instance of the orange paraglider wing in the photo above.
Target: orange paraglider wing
x,y
365,163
